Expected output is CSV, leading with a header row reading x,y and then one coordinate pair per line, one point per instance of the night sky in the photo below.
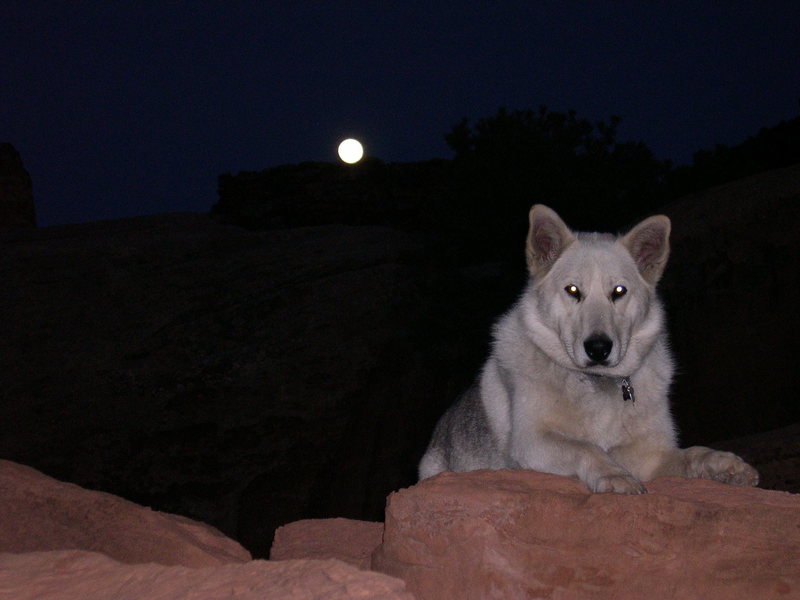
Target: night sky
x,y
129,108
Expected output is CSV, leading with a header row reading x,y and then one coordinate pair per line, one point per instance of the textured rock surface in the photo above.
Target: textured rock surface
x,y
40,513
16,191
78,575
345,539
60,542
515,534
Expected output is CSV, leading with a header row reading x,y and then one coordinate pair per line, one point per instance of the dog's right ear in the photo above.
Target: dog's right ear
x,y
548,237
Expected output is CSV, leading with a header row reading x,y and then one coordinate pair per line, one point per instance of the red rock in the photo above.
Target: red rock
x,y
345,539
41,513
79,575
61,542
521,534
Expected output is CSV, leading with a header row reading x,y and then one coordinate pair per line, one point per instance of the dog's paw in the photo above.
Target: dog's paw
x,y
618,483
725,467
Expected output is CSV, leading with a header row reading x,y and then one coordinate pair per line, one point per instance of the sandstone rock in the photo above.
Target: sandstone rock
x,y
515,534
16,195
60,542
79,575
345,539
40,513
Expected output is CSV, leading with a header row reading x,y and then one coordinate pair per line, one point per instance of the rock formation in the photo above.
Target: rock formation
x,y
61,542
344,539
731,290
79,575
481,535
371,193
42,514
16,195
521,534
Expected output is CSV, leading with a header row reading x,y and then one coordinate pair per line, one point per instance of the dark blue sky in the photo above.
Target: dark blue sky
x,y
127,108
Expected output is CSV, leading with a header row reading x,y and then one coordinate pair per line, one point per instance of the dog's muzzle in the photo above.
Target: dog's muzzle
x,y
597,348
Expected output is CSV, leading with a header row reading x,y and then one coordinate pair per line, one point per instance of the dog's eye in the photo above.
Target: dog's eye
x,y
618,292
573,291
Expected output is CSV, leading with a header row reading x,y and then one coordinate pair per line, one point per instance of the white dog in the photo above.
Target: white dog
x,y
577,380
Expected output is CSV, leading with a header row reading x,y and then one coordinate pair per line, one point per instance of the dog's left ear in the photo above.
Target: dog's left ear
x,y
648,244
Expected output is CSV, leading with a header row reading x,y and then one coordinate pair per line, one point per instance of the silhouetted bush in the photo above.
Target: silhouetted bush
x,y
772,148
505,163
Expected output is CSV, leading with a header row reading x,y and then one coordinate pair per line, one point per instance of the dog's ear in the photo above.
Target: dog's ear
x,y
648,244
548,237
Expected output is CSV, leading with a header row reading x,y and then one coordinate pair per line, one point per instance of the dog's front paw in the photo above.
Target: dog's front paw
x,y
721,466
621,483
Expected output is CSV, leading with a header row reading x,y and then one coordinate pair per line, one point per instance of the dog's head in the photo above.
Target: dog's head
x,y
593,305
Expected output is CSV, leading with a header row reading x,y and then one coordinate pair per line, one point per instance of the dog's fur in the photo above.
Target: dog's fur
x,y
577,380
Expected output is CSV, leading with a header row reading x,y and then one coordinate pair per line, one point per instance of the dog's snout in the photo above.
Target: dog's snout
x,y
598,347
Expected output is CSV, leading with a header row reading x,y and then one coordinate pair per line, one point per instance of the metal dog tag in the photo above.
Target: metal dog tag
x,y
627,390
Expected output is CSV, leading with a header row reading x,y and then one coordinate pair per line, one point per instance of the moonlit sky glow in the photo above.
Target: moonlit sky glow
x,y
127,108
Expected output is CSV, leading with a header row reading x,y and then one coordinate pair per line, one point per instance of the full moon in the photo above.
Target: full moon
x,y
351,151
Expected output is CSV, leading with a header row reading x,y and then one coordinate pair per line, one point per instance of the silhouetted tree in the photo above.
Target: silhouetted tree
x,y
772,148
509,161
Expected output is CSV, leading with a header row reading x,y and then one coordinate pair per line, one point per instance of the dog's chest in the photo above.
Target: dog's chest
x,y
591,413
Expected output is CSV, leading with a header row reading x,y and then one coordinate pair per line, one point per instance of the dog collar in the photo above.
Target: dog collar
x,y
625,383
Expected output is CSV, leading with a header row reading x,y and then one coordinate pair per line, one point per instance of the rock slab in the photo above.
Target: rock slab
x,y
68,575
61,542
40,513
348,540
521,534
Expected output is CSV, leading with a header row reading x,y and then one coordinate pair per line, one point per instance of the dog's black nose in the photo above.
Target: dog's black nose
x,y
598,347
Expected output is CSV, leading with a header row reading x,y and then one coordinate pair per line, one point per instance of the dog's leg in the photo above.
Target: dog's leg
x,y
555,453
705,463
